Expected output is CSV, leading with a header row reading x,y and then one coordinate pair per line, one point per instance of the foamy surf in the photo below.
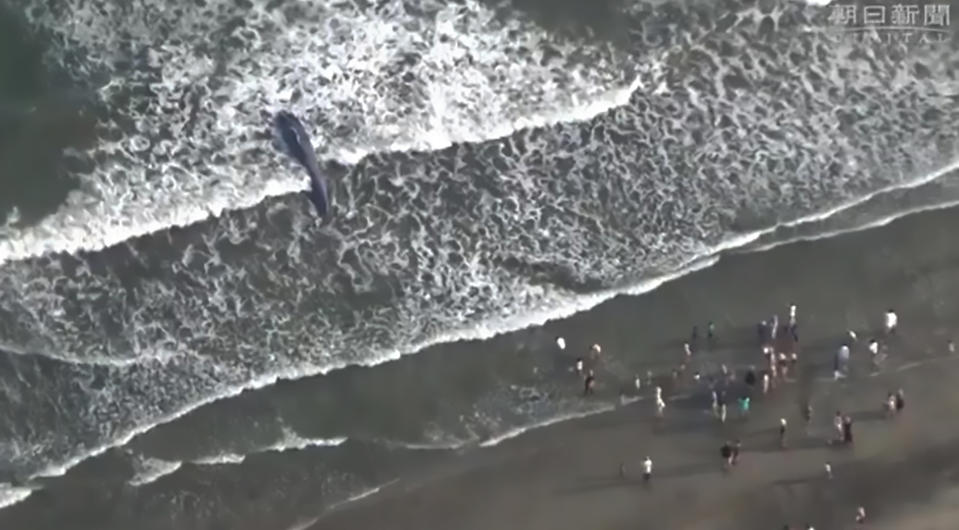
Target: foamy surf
x,y
10,495
152,469
452,97
486,330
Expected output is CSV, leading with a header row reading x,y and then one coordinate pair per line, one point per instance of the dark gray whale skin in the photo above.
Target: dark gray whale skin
x,y
296,143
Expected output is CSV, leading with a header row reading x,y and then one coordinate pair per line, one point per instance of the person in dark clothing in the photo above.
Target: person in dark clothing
x,y
694,337
847,430
589,384
750,378
900,401
710,334
807,414
726,451
737,445
761,332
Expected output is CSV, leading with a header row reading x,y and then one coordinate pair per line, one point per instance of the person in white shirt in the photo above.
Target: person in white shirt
x,y
892,320
647,469
792,315
561,343
874,347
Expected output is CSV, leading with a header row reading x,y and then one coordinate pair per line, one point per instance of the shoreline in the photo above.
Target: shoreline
x,y
739,246
892,447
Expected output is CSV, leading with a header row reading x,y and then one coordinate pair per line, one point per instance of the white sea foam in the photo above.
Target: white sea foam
x,y
10,495
513,433
340,64
639,214
151,469
364,494
290,441
535,317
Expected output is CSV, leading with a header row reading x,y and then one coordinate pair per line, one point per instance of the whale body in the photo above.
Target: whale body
x,y
297,144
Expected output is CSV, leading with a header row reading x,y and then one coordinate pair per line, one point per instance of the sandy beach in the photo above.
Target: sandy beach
x,y
901,470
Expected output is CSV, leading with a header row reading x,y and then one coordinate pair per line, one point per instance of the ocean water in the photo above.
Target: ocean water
x,y
489,171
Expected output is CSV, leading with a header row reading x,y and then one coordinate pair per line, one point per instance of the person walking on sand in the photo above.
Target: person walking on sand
x,y
687,350
828,467
647,470
782,433
765,383
900,400
578,366
710,334
892,322
861,515
737,446
774,328
744,406
561,343
715,404
890,405
792,315
837,422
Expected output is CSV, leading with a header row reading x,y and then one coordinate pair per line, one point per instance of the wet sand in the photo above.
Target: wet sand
x,y
568,475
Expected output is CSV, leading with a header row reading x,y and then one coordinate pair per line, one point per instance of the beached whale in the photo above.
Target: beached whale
x,y
296,143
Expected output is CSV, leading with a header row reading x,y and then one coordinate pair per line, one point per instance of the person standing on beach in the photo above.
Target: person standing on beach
x,y
900,401
660,404
726,451
792,315
595,351
561,343
892,322
861,515
847,430
687,350
579,365
765,382
722,407
828,467
589,384
710,334
694,337
647,470
761,330
744,406
737,445
838,424
807,415
782,433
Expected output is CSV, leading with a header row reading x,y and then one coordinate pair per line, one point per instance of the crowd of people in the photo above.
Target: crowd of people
x,y
778,343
